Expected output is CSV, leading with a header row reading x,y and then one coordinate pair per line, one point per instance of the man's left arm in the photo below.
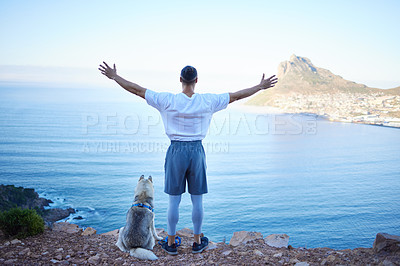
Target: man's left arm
x,y
264,84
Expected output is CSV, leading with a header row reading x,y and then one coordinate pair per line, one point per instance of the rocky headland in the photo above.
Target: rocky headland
x,y
305,88
28,198
68,244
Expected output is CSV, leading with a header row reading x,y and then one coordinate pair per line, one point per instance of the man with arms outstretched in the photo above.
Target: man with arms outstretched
x,y
186,117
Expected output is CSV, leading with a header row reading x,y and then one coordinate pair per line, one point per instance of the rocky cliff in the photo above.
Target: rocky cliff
x,y
27,198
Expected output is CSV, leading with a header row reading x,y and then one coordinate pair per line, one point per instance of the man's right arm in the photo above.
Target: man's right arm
x,y
264,84
111,73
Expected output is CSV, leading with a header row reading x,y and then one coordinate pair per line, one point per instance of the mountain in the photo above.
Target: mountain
x,y
300,76
303,87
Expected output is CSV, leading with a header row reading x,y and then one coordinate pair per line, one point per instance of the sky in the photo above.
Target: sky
x,y
231,43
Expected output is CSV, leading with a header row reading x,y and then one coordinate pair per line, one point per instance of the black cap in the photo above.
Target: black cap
x,y
188,74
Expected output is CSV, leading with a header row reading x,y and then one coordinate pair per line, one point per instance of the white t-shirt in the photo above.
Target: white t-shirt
x,y
186,118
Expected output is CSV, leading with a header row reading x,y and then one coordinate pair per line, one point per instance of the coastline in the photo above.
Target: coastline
x,y
68,244
275,110
364,123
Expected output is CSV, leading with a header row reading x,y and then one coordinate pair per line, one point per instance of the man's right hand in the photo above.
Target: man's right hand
x,y
111,73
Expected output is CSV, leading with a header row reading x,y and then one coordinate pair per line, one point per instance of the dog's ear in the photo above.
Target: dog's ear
x,y
142,177
151,179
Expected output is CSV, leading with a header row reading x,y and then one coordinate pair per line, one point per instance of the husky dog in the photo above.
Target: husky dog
x,y
137,236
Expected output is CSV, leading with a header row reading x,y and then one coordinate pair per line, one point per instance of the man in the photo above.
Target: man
x,y
186,117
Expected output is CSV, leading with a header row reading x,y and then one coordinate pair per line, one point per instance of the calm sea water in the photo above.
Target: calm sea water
x,y
324,184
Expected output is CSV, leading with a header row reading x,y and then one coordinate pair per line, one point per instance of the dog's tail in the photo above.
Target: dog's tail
x,y
143,254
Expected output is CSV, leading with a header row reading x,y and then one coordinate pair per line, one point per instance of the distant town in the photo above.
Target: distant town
x,y
375,109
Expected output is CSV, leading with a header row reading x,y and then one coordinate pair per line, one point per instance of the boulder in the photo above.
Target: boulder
x,y
113,233
242,237
277,240
66,227
386,242
302,264
94,259
212,245
24,252
387,262
226,252
258,253
89,231
56,214
15,241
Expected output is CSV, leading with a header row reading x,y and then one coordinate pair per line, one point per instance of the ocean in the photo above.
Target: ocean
x,y
325,184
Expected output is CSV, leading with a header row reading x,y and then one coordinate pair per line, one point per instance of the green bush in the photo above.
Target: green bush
x,y
21,223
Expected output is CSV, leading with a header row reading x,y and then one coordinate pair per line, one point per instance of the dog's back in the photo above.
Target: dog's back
x,y
137,231
138,235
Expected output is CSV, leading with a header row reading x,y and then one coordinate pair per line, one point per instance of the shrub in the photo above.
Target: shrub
x,y
21,223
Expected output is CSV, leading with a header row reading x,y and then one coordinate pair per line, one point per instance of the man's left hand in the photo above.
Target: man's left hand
x,y
268,83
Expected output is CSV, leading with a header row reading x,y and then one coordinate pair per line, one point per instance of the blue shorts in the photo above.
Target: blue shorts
x,y
185,161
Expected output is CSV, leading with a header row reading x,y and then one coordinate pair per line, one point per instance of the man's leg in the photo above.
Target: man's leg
x,y
197,216
173,217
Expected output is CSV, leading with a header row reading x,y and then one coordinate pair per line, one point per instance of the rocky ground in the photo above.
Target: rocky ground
x,y
67,244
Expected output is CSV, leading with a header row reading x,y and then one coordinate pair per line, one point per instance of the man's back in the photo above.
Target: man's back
x,y
187,118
